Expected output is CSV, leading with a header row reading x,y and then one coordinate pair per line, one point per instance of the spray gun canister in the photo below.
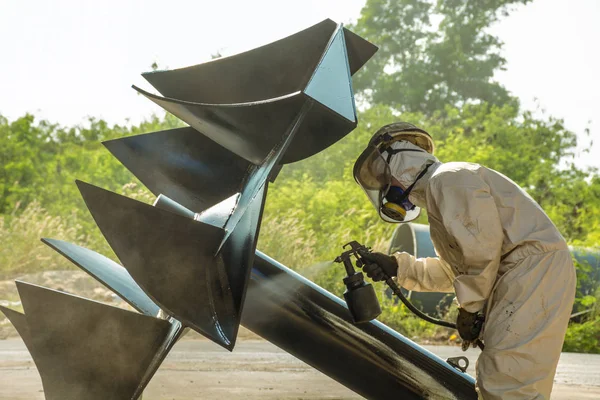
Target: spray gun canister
x,y
359,295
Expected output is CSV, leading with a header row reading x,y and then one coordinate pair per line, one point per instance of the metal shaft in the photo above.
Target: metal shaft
x,y
315,326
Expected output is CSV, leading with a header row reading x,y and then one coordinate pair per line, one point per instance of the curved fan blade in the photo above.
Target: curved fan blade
x,y
172,259
359,50
266,72
108,272
249,130
182,164
20,323
88,350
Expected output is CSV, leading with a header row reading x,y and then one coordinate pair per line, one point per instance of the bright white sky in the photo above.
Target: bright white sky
x,y
64,60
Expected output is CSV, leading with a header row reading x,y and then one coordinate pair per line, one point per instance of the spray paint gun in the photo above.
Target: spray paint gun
x,y
362,301
360,295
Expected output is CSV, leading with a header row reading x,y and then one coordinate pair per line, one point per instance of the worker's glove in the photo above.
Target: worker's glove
x,y
469,326
378,266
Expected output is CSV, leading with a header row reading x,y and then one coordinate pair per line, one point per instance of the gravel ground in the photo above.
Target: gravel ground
x,y
258,370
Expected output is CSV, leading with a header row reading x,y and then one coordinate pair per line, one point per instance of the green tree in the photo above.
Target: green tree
x,y
432,53
24,151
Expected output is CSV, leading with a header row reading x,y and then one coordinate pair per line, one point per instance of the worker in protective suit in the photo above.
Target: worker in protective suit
x,y
498,251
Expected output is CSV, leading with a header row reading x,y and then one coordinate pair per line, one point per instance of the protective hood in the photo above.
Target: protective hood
x,y
376,175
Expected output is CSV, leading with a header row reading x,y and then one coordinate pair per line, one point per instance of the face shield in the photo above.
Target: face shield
x,y
373,173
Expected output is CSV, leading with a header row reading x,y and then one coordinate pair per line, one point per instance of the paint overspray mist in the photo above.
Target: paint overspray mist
x,y
283,288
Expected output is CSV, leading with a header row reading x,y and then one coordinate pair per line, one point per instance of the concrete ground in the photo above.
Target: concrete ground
x,y
258,370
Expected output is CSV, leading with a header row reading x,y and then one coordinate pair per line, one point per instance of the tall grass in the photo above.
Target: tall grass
x,y
21,250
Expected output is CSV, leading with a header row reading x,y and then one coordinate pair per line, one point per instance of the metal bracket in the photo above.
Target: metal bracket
x,y
456,363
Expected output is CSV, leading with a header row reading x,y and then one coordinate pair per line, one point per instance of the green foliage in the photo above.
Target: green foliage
x,y
41,161
401,319
433,53
38,196
585,337
587,266
527,149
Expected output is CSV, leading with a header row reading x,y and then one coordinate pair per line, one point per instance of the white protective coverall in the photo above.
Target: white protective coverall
x,y
500,253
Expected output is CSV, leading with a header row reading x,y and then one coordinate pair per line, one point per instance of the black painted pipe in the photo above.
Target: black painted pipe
x,y
316,327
